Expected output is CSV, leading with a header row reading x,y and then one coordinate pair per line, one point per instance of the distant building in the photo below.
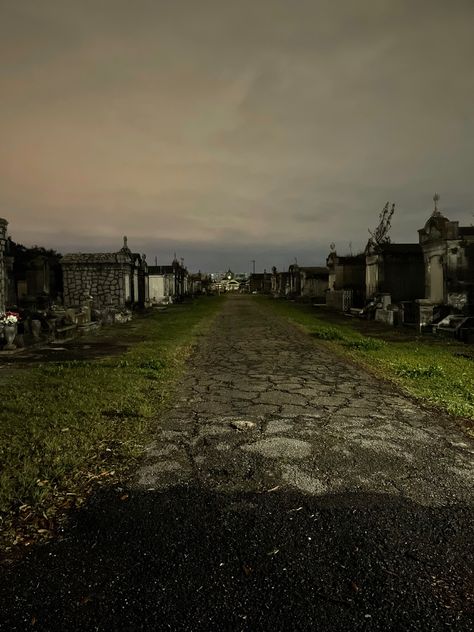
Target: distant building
x,y
241,277
229,283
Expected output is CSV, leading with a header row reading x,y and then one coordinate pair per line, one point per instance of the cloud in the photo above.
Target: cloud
x,y
231,129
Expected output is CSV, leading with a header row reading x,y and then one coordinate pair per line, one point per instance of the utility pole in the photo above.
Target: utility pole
x,y
253,264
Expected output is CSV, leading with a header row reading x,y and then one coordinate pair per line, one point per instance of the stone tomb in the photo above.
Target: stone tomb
x,y
310,282
346,281
448,251
117,279
167,283
395,269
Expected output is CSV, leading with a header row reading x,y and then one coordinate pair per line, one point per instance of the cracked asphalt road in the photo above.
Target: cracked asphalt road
x,y
321,425
286,490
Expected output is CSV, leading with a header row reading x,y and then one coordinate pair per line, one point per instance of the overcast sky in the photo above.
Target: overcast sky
x,y
228,131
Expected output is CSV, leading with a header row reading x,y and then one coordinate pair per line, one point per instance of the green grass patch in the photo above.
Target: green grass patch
x,y
435,370
327,333
416,371
64,424
366,343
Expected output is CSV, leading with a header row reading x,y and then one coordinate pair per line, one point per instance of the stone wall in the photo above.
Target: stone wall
x,y
3,266
108,278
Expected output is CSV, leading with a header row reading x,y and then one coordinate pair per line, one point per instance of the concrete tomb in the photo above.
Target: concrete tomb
x,y
448,251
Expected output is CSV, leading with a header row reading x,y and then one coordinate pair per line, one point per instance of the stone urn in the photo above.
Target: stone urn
x,y
35,326
9,333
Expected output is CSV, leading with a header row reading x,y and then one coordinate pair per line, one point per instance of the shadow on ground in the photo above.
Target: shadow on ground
x,y
69,351
188,559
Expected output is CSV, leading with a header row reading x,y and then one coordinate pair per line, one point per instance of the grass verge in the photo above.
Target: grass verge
x,y
66,427
441,372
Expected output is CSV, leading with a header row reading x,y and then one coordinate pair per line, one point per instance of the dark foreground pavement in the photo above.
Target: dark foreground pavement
x,y
286,490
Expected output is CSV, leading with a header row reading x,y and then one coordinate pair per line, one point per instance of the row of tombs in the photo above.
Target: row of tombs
x,y
428,284
47,295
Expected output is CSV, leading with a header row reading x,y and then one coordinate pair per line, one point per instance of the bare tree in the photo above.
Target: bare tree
x,y
380,235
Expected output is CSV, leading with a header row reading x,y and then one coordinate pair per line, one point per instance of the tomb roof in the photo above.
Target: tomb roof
x,y
161,269
351,258
96,257
315,270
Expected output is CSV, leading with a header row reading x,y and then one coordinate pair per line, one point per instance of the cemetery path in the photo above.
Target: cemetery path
x,y
263,405
286,490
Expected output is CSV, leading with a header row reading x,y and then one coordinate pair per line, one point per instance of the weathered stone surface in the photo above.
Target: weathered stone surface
x,y
280,448
110,278
280,397
276,426
322,426
243,424
296,477
213,429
